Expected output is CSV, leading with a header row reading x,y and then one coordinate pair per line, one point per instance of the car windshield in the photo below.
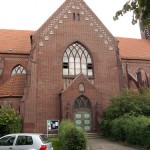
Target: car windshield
x,y
44,138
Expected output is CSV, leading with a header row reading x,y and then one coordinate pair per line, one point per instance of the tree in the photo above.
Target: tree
x,y
140,9
10,120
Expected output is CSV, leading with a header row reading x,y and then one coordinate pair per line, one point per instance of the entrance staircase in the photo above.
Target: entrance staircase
x,y
93,135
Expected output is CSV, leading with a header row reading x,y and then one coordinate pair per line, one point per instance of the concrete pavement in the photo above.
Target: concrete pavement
x,y
104,144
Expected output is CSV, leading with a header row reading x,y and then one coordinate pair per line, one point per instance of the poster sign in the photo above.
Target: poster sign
x,y
52,125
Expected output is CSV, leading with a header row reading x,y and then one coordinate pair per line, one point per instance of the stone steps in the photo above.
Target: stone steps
x,y
93,135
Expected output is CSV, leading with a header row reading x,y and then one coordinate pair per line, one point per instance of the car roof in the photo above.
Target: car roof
x,y
24,134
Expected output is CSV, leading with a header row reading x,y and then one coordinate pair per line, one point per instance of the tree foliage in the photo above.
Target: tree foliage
x,y
129,102
10,120
131,129
140,9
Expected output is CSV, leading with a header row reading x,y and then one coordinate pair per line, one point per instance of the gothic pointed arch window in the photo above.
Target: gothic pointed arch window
x,y
19,69
82,102
76,59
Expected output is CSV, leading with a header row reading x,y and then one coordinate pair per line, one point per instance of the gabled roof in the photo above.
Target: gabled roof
x,y
134,48
15,41
84,80
63,16
19,41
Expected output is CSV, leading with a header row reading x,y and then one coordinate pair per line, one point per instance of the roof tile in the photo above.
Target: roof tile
x,y
19,42
16,40
134,48
14,86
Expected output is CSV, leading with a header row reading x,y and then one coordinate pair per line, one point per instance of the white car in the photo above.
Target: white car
x,y
25,141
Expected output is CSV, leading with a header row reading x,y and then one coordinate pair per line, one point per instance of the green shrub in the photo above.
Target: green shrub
x,y
71,138
129,101
138,131
125,118
55,143
105,126
10,120
131,129
63,128
118,129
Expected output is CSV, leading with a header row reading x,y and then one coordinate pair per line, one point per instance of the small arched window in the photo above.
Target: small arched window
x,y
77,60
18,69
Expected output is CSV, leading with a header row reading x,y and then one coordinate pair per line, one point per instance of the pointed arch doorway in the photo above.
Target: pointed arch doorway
x,y
83,113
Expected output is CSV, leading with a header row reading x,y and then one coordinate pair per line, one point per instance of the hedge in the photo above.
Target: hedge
x,y
131,129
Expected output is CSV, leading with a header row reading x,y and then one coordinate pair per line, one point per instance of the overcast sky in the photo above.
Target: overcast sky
x,y
31,14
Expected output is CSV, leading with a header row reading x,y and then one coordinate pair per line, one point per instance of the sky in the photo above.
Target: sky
x,y
31,14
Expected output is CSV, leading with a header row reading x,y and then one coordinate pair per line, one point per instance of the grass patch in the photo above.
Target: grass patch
x,y
55,143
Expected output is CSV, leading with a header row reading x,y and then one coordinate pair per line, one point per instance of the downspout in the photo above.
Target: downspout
x,y
60,109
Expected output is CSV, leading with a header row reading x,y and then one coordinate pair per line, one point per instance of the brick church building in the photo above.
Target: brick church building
x,y
68,68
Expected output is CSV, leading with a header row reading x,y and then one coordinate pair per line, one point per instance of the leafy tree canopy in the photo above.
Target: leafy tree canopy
x,y
140,9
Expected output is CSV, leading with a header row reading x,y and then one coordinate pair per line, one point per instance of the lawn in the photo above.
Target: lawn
x,y
55,143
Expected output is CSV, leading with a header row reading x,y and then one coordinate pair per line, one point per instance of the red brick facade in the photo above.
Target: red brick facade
x,y
48,93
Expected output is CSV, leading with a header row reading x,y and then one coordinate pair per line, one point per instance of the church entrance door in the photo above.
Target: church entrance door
x,y
83,120
82,113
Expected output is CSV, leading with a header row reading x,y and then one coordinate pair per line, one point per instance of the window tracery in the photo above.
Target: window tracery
x,y
18,69
82,102
77,60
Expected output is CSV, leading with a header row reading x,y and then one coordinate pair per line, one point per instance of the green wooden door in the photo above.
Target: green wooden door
x,y
83,120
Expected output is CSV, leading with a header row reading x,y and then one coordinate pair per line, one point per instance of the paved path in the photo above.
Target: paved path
x,y
104,144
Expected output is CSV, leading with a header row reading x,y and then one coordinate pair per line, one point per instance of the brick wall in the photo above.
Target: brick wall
x,y
49,45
